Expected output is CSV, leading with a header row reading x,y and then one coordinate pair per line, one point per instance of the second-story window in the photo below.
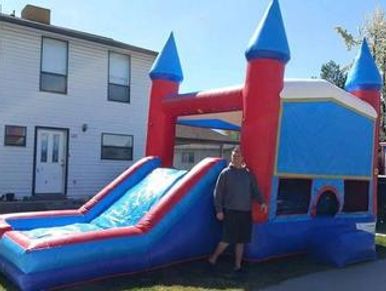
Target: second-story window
x,y
119,77
54,63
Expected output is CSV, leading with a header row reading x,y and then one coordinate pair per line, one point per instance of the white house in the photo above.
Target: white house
x,y
73,107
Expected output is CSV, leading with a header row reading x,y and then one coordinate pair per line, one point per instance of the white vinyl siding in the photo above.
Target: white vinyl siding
x,y
22,103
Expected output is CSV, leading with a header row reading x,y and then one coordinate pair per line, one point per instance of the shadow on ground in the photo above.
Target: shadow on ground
x,y
199,276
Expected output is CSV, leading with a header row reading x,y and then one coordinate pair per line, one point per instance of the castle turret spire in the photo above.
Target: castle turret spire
x,y
364,74
269,40
167,66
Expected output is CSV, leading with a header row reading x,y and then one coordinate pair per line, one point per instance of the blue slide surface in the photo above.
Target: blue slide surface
x,y
148,217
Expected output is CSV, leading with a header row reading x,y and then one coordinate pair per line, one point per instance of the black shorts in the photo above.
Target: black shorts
x,y
237,226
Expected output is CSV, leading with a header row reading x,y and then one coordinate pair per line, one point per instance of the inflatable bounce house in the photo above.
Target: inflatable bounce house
x,y
311,145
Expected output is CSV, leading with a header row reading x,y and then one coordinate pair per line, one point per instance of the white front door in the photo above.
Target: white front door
x,y
50,167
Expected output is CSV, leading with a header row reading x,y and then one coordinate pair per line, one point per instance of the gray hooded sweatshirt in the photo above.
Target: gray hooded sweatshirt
x,y
235,189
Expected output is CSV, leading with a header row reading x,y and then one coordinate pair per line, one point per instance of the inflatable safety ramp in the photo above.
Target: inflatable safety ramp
x,y
342,245
148,217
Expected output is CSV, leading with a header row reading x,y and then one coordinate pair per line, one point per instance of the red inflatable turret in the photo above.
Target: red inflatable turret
x,y
266,56
166,75
365,82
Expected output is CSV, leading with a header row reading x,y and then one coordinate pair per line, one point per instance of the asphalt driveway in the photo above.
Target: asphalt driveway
x,y
364,276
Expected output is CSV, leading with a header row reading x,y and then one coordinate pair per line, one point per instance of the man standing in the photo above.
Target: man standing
x,y
235,189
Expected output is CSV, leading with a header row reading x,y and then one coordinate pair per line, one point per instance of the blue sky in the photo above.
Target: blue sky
x,y
212,35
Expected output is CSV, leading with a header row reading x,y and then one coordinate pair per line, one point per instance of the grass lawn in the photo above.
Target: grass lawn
x,y
197,276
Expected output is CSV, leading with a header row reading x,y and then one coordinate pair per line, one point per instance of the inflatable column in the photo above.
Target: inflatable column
x,y
267,54
365,82
166,75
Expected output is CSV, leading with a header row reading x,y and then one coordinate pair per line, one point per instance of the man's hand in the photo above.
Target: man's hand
x,y
263,207
220,216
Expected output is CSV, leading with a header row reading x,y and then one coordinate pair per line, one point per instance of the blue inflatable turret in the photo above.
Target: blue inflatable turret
x,y
167,66
364,74
269,40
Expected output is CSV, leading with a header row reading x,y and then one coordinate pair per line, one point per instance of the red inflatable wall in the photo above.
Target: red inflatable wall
x,y
261,106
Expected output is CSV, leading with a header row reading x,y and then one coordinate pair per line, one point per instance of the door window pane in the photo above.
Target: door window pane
x,y
44,148
55,148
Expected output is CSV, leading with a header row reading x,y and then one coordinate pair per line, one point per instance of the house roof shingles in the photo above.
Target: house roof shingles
x,y
74,33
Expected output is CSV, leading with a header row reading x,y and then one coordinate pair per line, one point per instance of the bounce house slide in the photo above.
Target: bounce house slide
x,y
148,217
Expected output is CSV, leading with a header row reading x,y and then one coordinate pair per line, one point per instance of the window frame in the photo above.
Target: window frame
x,y
117,159
188,154
346,196
54,74
108,78
15,145
293,213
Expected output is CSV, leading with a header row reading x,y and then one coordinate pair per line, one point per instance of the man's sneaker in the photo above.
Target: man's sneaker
x,y
210,265
239,270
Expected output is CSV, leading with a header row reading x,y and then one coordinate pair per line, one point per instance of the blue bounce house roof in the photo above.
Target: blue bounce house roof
x,y
167,66
364,74
269,39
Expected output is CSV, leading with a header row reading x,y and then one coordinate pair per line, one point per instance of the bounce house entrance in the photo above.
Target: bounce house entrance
x,y
327,205
194,143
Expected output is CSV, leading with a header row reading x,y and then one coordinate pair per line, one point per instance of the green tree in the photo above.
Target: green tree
x,y
374,30
333,73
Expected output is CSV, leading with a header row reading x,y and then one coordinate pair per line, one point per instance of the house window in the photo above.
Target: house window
x,y
15,136
293,196
54,65
119,77
187,157
356,196
117,147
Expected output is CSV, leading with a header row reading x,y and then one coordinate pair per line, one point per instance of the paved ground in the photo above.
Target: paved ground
x,y
365,276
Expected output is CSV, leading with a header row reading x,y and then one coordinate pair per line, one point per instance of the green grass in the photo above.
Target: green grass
x,y
380,240
196,276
